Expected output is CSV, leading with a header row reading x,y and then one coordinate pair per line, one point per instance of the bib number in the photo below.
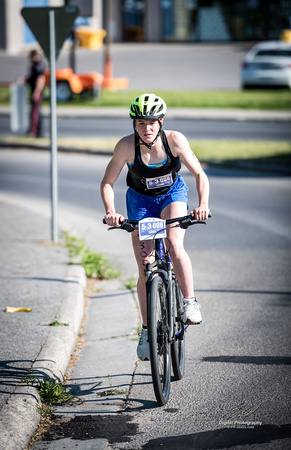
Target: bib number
x,y
159,182
151,228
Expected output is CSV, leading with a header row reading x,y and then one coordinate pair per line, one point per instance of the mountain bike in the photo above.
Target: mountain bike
x,y
166,328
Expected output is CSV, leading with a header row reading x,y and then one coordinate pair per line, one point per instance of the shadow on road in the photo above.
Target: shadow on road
x,y
224,437
259,360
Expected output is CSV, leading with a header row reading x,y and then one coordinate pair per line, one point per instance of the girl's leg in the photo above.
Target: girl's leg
x,y
182,264
180,258
143,251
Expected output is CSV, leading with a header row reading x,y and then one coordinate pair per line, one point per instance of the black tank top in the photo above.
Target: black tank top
x,y
153,181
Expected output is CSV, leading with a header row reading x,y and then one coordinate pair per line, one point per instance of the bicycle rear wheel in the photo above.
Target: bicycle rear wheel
x,y
158,329
178,345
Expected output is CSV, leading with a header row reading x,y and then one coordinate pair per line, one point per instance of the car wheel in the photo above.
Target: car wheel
x,y
64,92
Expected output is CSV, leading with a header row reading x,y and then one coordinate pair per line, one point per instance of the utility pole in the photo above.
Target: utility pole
x,y
72,55
108,41
110,83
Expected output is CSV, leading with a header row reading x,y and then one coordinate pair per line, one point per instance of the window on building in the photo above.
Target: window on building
x,y
133,20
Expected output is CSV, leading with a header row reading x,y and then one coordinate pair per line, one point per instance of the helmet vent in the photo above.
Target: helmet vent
x,y
148,106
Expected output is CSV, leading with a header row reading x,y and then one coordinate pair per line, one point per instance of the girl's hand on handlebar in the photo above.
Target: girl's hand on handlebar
x,y
113,219
200,213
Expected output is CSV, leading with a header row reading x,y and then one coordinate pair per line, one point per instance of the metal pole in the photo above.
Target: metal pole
x,y
53,117
108,56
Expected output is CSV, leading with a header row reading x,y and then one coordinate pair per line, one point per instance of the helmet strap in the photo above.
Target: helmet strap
x,y
149,146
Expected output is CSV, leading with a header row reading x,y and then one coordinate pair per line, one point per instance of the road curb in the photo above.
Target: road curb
x,y
23,146
20,417
250,166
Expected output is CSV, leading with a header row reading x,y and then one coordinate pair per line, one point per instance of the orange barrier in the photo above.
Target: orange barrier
x,y
69,76
115,84
91,79
79,83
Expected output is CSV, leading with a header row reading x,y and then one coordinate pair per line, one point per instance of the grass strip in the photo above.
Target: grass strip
x,y
271,99
261,99
266,152
278,152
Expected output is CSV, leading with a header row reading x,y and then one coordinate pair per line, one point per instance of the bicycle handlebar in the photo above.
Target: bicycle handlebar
x,y
183,222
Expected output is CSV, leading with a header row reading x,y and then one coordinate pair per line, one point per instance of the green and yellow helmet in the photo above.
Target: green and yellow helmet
x,y
148,106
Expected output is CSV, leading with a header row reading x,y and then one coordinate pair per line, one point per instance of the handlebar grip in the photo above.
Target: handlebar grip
x,y
104,221
209,215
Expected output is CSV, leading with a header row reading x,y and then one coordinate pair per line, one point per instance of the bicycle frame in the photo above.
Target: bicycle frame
x,y
164,304
162,259
163,266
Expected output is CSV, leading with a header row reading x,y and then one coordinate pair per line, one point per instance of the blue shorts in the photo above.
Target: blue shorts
x,y
140,206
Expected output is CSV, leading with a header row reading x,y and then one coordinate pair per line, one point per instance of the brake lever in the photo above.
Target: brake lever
x,y
124,226
128,227
185,224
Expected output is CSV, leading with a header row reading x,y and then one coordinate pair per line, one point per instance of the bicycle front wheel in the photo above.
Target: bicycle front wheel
x,y
178,344
158,334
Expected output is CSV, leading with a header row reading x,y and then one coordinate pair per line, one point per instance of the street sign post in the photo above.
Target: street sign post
x,y
51,27
54,146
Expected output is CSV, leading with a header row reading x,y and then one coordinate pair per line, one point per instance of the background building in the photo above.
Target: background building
x,y
159,20
201,20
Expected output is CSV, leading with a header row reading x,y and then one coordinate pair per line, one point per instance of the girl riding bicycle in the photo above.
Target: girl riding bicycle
x,y
155,189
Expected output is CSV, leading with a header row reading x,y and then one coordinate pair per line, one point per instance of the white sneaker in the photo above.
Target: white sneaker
x,y
192,314
143,348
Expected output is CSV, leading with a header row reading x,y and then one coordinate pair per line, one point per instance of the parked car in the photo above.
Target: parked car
x,y
267,64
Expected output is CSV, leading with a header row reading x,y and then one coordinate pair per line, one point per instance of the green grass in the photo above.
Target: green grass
x,y
130,284
253,99
96,265
266,152
57,322
263,100
50,390
263,151
4,96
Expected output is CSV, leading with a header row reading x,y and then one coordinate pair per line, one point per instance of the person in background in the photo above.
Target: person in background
x,y
36,82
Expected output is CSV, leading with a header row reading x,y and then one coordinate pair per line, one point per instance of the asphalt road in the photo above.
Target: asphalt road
x,y
153,66
236,389
117,127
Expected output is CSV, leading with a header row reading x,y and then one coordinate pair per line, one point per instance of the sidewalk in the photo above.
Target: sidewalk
x,y
34,274
102,373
